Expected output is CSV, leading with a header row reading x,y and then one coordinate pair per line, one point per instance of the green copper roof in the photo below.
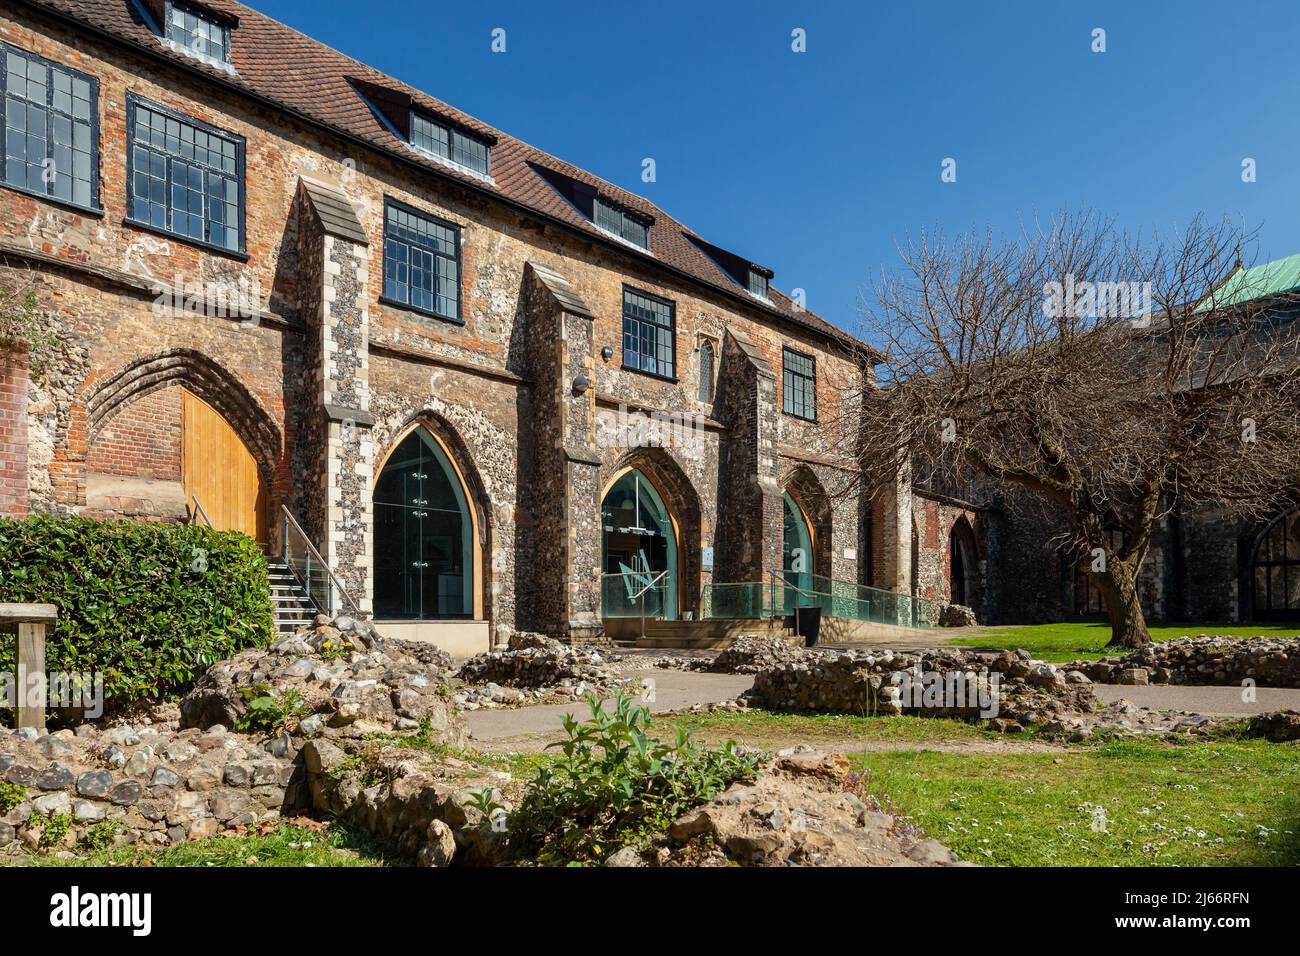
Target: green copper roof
x,y
1257,282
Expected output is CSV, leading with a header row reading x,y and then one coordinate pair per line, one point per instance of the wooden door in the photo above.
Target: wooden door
x,y
218,469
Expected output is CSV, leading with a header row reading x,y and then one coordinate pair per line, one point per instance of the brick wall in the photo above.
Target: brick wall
x,y
13,434
143,440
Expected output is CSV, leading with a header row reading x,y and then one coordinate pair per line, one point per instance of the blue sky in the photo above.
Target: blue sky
x,y
815,163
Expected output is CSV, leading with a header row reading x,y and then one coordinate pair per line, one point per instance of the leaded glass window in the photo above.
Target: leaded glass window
x,y
186,177
421,262
449,143
197,32
799,381
50,120
625,226
649,334
705,393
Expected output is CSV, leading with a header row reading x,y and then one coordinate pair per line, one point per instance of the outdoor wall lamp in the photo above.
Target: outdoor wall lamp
x,y
581,383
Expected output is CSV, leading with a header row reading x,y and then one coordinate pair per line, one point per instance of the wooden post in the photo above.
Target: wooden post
x,y
31,620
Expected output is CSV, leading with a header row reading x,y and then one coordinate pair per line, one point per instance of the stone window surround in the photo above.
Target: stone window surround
x,y
715,347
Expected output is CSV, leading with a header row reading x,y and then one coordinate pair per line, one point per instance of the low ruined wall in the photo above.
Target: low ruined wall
x,y
1268,661
161,784
965,684
154,787
423,808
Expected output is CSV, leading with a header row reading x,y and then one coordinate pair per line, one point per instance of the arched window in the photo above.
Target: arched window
x,y
424,535
1275,570
706,371
638,551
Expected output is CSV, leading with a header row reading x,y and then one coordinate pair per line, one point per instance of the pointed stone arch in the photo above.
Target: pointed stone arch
x,y
963,564
807,491
448,437
1272,579
203,377
682,501
248,429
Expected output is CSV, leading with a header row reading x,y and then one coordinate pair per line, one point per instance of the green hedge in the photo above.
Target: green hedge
x,y
136,602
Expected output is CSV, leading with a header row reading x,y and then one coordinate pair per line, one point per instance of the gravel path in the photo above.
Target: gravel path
x,y
526,729
1211,701
673,691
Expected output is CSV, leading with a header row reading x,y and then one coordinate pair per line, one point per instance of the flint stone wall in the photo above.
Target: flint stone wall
x,y
861,682
160,785
157,787
1205,659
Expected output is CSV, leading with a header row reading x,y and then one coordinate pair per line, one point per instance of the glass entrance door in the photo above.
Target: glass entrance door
x,y
796,557
424,567
638,551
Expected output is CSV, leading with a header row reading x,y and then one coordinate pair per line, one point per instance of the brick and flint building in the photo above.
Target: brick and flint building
x,y
493,389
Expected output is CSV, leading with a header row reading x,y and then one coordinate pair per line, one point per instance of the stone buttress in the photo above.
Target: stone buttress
x,y
335,250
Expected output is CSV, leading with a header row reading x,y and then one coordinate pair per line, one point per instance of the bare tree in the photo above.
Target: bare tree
x,y
1108,375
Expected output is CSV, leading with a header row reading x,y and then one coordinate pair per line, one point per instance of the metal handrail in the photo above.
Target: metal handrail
x,y
785,582
198,510
824,587
653,582
305,580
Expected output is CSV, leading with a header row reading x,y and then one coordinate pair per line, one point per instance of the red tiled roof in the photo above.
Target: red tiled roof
x,y
291,71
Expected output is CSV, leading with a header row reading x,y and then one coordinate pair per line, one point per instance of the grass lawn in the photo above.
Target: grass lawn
x,y
1087,639
1197,804
286,845
770,731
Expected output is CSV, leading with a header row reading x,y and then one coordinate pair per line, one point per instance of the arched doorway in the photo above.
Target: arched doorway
x,y
962,564
219,472
425,539
797,555
1275,569
638,550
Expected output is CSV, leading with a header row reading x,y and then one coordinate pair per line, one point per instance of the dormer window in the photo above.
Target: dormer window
x,y
746,273
447,142
622,224
198,32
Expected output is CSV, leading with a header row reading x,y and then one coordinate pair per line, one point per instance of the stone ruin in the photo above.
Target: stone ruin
x,y
535,668
368,733
1204,659
338,685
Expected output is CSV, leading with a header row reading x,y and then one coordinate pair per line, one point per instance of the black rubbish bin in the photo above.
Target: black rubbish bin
x,y
808,624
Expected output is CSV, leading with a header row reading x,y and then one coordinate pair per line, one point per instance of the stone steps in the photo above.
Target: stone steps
x,y
290,605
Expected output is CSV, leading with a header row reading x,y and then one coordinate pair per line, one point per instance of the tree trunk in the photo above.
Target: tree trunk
x,y
1118,587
